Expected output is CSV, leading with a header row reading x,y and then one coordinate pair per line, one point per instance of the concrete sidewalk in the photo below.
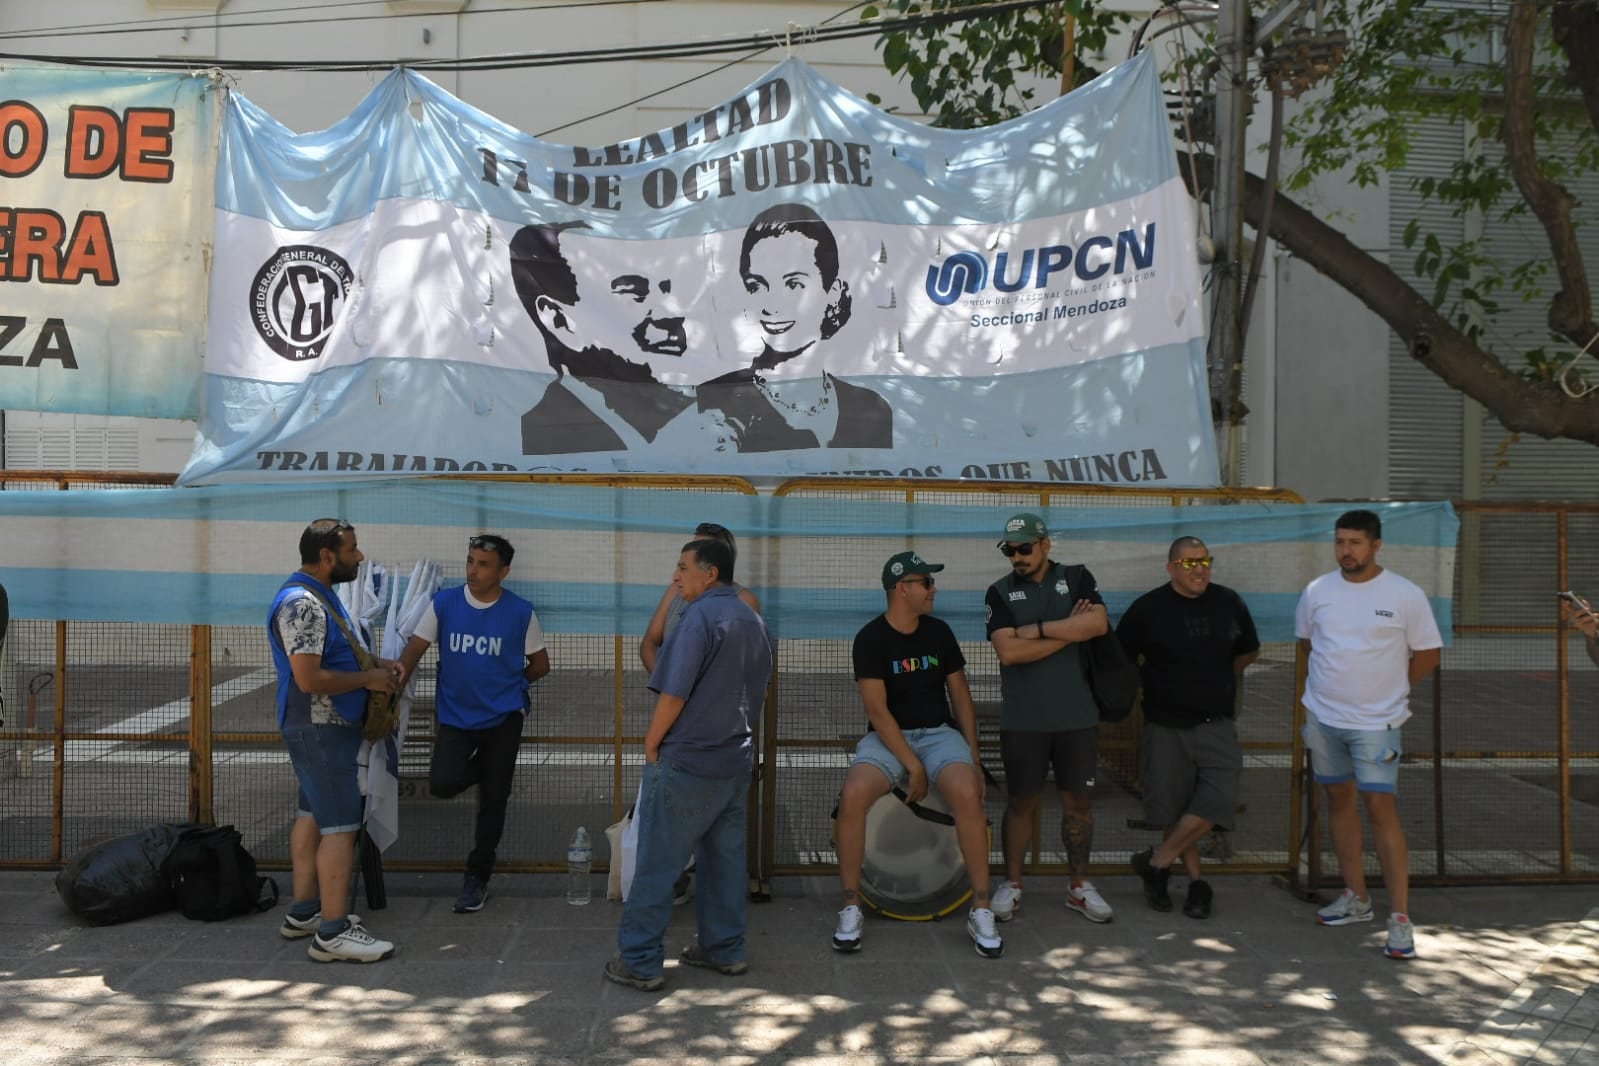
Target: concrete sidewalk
x,y
1504,975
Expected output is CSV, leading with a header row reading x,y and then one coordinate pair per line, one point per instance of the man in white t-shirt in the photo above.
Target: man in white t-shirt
x,y
1370,635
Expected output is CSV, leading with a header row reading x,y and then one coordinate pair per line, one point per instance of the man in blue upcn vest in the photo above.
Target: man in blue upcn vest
x,y
710,681
321,700
491,649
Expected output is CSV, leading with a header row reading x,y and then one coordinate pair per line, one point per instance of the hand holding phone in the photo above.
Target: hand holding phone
x,y
1583,617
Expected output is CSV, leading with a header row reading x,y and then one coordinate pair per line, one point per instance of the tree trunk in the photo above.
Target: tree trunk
x,y
1538,407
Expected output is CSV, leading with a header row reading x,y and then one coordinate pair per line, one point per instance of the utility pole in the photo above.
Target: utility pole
x,y
1234,46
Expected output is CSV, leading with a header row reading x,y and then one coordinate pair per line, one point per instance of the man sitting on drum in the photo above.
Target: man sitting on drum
x,y
909,669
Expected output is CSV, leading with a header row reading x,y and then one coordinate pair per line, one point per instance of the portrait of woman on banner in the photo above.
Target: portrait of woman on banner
x,y
796,302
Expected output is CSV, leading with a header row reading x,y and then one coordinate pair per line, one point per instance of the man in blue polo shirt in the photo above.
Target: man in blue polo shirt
x,y
321,700
491,648
709,680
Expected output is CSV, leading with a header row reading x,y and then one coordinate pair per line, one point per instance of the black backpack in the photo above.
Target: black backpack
x,y
1112,675
213,877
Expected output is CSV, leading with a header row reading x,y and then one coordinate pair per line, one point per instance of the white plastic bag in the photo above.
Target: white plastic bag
x,y
613,839
630,845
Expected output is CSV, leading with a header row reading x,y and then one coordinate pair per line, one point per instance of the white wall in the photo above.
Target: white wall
x,y
567,99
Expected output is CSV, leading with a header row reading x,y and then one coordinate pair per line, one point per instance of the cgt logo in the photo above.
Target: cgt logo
x,y
967,273
295,298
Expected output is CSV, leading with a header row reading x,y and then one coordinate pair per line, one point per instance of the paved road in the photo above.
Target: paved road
x,y
1506,975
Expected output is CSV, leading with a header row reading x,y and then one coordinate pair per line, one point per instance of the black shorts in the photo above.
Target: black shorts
x,y
1028,758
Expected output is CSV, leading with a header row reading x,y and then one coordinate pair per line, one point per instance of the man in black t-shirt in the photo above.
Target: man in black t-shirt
x,y
1195,639
909,668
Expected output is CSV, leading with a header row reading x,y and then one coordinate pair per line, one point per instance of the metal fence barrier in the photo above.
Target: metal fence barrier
x,y
1500,778
120,725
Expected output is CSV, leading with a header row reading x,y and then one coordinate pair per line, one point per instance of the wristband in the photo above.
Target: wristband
x,y
1040,629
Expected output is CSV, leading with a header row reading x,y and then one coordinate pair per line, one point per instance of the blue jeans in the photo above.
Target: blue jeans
x,y
682,816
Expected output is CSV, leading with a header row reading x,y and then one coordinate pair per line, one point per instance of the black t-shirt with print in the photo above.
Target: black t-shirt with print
x,y
912,667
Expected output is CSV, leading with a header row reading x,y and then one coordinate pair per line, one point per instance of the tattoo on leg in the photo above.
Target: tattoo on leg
x,y
1077,834
851,897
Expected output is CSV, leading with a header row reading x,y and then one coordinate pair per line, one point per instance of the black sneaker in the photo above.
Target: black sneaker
x,y
1197,905
474,893
1154,880
693,955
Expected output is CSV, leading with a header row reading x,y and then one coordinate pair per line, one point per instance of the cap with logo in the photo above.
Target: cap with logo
x,y
904,565
1023,528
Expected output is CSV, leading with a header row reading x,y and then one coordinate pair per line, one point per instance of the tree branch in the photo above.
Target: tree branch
x,y
1576,30
1571,309
1539,408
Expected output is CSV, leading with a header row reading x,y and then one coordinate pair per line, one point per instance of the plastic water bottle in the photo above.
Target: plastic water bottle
x,y
579,856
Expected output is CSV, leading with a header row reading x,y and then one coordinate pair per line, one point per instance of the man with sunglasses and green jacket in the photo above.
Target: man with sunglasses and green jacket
x,y
1038,616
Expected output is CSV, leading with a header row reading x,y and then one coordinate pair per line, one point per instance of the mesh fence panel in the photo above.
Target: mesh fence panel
x,y
122,741
1506,792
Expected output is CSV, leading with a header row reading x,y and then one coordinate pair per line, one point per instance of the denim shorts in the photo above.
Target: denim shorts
x,y
937,748
1370,757
324,759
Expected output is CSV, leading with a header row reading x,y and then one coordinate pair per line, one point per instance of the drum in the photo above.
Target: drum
x,y
913,868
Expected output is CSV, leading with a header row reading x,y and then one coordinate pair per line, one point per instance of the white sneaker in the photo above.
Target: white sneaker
x,y
294,928
1086,900
847,937
980,927
355,944
1344,910
1006,901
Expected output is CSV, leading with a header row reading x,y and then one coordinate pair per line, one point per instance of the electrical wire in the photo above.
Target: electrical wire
x,y
755,42
175,22
687,81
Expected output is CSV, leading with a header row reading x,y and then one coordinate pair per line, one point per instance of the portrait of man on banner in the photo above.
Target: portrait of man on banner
x,y
600,336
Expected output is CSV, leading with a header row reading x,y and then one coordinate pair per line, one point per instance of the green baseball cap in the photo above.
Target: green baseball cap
x,y
1023,528
907,564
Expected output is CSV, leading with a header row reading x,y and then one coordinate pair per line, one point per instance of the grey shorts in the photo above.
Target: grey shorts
x,y
1192,771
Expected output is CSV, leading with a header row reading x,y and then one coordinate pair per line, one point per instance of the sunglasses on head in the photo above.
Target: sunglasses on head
x,y
710,529
1024,550
487,542
329,526
1190,564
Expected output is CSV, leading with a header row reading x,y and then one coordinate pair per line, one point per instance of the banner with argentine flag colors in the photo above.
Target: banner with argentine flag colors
x,y
594,558
791,282
106,179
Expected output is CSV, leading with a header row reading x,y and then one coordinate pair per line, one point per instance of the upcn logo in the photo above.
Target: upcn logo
x,y
968,273
295,297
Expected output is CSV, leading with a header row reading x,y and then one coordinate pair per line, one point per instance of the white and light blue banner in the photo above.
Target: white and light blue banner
x,y
106,181
594,560
791,282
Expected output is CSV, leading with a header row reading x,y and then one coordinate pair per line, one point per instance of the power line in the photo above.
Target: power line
x,y
755,42
687,81
174,22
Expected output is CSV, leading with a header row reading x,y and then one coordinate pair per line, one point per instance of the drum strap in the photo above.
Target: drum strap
x,y
922,812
